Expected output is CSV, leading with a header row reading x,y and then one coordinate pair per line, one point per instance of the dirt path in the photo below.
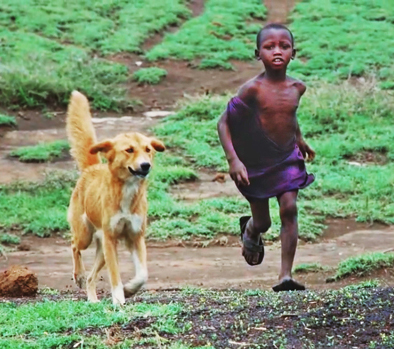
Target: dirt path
x,y
218,267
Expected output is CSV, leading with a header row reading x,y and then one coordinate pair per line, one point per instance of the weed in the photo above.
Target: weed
x,y
9,239
151,76
43,152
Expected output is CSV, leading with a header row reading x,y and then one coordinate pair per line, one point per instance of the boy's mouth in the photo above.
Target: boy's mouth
x,y
278,60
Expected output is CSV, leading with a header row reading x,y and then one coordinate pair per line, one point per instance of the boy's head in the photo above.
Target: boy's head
x,y
275,45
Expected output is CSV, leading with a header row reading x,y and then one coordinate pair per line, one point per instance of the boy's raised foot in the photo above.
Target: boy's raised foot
x,y
288,284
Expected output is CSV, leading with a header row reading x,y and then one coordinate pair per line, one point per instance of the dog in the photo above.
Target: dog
x,y
109,201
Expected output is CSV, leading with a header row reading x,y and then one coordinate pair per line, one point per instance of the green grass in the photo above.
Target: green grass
x,y
43,152
308,268
9,239
54,47
6,120
150,76
338,39
364,264
108,27
219,34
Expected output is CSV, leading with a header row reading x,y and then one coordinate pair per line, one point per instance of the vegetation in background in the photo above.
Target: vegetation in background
x,y
364,264
219,34
6,120
151,76
339,39
308,268
42,152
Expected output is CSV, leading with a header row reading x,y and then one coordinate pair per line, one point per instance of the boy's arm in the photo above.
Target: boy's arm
x,y
304,147
237,169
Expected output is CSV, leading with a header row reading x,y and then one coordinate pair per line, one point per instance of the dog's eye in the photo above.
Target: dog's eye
x,y
130,150
147,149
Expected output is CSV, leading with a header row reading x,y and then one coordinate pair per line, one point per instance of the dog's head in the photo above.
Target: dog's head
x,y
129,154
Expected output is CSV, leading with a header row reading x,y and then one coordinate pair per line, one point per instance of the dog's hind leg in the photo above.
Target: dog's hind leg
x,y
98,265
81,239
138,251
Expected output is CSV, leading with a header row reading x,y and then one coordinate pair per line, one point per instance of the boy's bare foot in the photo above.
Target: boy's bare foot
x,y
253,248
288,284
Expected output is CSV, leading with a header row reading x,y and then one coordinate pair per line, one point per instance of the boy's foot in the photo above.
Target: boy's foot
x,y
253,251
288,284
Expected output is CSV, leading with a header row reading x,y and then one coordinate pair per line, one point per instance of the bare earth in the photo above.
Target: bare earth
x,y
220,265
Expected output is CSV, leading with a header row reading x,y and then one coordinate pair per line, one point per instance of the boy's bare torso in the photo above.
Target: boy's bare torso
x,y
276,104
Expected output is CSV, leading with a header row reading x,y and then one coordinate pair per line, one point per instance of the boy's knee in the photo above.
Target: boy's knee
x,y
288,211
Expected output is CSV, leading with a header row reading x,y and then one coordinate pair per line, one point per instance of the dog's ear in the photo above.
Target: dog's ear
x,y
102,147
157,145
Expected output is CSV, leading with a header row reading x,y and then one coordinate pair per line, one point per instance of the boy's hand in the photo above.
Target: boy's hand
x,y
306,150
238,172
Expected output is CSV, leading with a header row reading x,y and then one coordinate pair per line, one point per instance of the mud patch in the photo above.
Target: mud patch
x,y
18,281
368,158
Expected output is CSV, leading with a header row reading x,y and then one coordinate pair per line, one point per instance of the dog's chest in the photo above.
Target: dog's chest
x,y
124,221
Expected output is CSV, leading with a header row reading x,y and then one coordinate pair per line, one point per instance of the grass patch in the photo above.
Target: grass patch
x,y
364,264
9,239
338,39
363,284
219,34
6,120
308,268
43,152
39,66
108,27
150,76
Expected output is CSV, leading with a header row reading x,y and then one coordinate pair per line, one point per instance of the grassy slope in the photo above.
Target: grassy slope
x,y
42,152
196,318
50,48
219,34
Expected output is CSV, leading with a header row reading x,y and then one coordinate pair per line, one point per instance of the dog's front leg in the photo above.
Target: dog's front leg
x,y
111,259
137,248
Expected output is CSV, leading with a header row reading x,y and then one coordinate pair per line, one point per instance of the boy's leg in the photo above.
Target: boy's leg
x,y
289,239
259,223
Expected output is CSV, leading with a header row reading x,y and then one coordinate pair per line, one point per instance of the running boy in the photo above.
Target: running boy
x,y
265,150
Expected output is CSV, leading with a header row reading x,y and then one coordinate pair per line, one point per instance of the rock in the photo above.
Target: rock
x,y
18,281
157,113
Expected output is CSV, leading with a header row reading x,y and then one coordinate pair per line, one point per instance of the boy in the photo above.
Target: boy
x,y
265,150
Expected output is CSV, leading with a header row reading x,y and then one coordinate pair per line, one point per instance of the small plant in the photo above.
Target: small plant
x,y
49,291
43,152
364,284
9,239
151,76
308,268
7,120
211,63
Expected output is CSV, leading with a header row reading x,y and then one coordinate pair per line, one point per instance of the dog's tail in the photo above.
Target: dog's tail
x,y
80,131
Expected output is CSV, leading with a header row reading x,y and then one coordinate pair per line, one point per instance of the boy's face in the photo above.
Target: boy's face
x,y
276,49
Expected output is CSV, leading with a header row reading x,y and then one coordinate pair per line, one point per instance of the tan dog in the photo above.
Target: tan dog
x,y
109,200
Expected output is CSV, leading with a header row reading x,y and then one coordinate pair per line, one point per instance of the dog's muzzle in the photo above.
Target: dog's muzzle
x,y
143,171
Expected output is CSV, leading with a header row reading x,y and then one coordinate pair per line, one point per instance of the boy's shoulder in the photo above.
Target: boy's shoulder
x,y
299,84
249,89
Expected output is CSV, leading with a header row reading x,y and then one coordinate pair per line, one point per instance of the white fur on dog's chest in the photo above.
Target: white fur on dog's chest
x,y
124,220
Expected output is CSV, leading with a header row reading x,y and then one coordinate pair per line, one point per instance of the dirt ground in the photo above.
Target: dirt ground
x,y
220,265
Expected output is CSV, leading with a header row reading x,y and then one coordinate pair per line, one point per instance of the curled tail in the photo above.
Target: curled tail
x,y
80,131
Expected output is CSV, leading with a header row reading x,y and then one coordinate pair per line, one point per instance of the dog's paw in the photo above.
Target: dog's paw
x,y
133,287
80,280
118,296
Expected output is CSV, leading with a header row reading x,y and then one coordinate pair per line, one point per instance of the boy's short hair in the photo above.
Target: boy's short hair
x,y
272,26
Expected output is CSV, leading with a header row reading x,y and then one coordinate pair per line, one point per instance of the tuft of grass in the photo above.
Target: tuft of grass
x,y
151,76
43,152
363,285
223,34
6,120
364,264
308,268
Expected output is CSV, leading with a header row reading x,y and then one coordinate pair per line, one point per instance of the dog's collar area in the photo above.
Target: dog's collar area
x,y
141,174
